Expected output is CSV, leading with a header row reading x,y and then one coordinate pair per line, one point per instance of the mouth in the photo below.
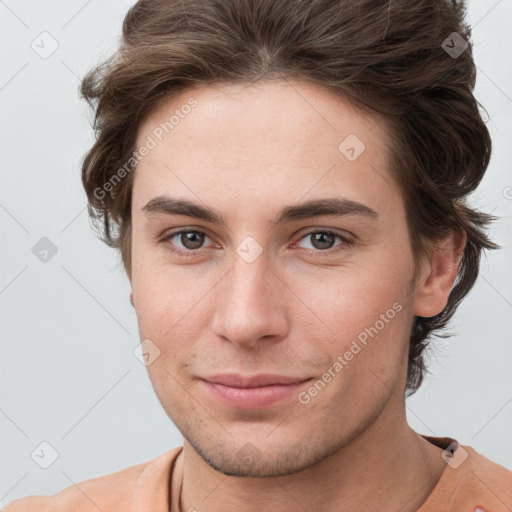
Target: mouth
x,y
252,392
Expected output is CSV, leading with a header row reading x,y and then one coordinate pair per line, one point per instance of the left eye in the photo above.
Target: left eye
x,y
323,240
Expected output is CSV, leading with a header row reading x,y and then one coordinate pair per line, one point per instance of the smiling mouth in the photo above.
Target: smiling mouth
x,y
256,392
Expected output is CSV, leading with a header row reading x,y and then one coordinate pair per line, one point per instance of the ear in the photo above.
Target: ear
x,y
438,275
131,299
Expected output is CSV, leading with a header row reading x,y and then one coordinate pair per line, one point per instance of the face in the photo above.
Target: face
x,y
295,262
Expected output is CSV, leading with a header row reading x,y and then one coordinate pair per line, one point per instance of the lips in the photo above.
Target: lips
x,y
251,392
239,381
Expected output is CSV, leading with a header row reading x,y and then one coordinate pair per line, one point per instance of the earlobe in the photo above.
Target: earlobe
x,y
436,283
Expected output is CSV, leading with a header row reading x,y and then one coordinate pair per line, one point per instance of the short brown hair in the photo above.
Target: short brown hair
x,y
389,58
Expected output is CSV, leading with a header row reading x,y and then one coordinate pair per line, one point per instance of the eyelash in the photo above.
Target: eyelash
x,y
312,252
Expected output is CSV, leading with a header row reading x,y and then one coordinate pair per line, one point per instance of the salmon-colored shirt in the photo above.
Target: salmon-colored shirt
x,y
469,483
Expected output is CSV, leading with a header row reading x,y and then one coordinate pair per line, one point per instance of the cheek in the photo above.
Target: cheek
x,y
380,331
170,309
349,300
162,292
368,318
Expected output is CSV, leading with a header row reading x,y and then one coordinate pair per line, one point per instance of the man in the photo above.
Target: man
x,y
287,184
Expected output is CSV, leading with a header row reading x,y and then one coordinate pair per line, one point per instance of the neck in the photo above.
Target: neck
x,y
386,467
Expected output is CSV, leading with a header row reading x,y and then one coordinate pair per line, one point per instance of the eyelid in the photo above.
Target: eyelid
x,y
346,242
168,235
345,235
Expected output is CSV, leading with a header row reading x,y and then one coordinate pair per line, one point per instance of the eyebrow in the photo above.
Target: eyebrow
x,y
332,206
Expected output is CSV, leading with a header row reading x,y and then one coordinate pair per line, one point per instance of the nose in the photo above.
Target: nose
x,y
251,303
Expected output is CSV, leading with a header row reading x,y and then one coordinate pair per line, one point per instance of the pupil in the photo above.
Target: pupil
x,y
189,237
318,238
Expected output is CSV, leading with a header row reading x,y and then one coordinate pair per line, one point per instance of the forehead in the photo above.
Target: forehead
x,y
260,141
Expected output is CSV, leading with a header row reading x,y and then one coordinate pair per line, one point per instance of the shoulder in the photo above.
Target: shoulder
x,y
473,482
110,493
489,474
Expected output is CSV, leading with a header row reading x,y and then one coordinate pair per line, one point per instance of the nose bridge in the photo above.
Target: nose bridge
x,y
248,303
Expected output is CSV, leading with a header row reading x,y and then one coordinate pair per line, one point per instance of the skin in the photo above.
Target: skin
x,y
247,151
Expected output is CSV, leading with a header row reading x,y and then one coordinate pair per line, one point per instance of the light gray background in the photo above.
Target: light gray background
x,y
68,374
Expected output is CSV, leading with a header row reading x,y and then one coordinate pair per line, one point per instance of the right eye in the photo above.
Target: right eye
x,y
190,240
